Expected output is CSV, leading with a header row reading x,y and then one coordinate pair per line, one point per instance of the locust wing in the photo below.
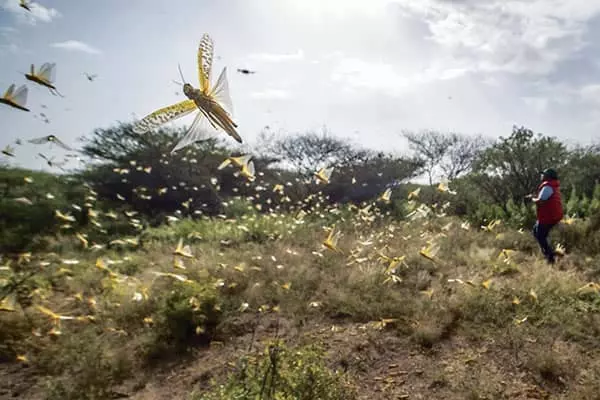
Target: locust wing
x,y
220,93
201,129
205,59
9,92
47,72
164,115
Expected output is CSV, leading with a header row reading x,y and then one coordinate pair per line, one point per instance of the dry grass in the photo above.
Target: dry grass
x,y
142,321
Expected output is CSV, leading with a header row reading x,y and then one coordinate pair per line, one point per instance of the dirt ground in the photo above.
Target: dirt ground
x,y
381,364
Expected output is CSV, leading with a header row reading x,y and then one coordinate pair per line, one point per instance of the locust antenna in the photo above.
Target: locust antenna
x,y
180,73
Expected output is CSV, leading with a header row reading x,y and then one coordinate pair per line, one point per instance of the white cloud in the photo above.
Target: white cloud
x,y
274,58
8,34
75,45
41,13
9,48
590,93
38,12
358,73
7,30
450,73
538,104
335,54
389,78
492,81
518,36
271,94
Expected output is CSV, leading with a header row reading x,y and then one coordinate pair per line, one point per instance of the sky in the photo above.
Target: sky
x,y
366,70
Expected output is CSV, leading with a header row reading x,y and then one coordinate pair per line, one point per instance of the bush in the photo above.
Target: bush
x,y
22,224
252,227
549,365
14,328
83,365
582,236
435,324
283,374
186,316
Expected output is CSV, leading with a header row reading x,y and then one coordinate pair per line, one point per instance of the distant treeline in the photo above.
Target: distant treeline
x,y
137,174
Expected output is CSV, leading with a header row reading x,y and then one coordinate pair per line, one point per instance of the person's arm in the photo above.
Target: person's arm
x,y
544,194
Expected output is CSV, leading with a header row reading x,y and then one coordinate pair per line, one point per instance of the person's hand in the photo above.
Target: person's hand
x,y
529,196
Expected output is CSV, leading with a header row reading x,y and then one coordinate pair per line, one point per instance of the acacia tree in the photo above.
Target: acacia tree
x,y
120,143
21,224
305,153
449,154
141,169
510,168
461,154
372,176
583,169
359,173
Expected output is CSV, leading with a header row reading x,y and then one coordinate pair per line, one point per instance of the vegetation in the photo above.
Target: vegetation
x,y
280,373
158,276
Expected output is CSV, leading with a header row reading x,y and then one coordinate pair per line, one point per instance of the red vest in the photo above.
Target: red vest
x,y
551,210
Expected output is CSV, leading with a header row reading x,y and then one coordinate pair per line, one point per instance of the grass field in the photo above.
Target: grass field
x,y
257,308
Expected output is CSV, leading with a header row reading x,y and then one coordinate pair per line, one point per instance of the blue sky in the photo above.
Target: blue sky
x,y
365,69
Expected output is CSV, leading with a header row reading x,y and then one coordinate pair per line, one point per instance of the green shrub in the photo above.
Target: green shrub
x,y
584,206
582,236
549,365
257,228
14,328
82,365
210,229
572,204
186,316
488,212
21,224
238,207
595,202
283,374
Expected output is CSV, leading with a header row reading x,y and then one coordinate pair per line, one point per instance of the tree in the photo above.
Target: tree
x,y
305,153
511,167
359,174
448,154
582,169
120,143
461,154
141,170
372,175
21,223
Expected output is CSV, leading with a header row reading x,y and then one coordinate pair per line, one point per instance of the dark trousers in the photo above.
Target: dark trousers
x,y
540,232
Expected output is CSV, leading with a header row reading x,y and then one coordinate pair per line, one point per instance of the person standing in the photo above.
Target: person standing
x,y
549,211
